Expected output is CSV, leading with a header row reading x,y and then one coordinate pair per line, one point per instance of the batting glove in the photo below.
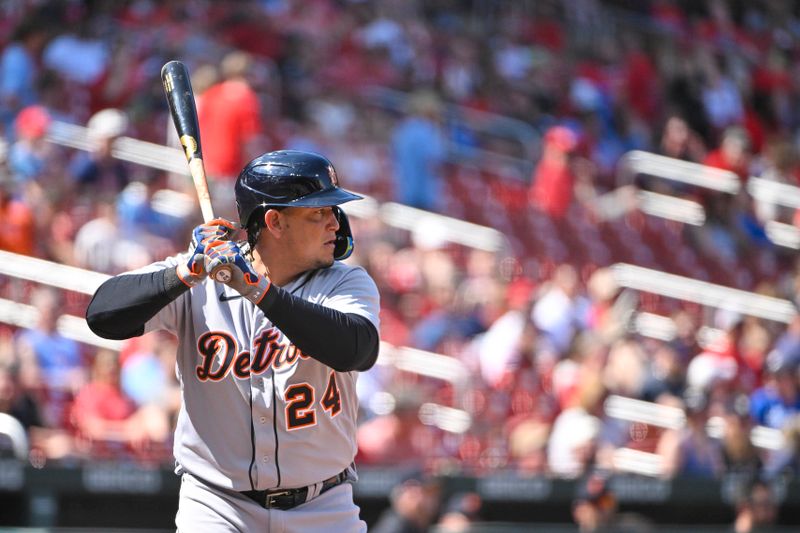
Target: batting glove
x,y
244,278
194,271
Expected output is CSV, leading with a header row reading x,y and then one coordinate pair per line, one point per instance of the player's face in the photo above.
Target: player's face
x,y
312,235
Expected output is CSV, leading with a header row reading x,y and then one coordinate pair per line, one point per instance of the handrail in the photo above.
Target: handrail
x,y
668,417
49,273
659,166
703,292
452,229
425,363
125,148
774,192
636,162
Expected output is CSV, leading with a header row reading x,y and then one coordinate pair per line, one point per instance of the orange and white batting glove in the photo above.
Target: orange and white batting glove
x,y
244,278
193,271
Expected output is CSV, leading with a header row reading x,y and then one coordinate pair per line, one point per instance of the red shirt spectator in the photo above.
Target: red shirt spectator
x,y
553,181
18,236
101,408
733,153
230,119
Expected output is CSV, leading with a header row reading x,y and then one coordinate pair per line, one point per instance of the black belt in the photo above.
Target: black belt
x,y
288,498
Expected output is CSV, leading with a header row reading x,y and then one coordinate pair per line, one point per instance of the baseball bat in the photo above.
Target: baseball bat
x,y
182,107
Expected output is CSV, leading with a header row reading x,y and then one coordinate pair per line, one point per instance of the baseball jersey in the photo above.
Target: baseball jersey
x,y
256,412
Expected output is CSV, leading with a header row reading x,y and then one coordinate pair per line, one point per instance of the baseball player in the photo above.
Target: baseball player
x,y
267,361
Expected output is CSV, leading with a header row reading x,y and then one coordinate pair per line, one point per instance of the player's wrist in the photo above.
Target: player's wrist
x,y
256,292
188,277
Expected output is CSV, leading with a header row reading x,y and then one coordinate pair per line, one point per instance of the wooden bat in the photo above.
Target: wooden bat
x,y
182,107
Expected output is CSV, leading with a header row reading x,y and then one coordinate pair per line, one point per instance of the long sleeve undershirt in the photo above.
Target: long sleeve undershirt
x,y
343,341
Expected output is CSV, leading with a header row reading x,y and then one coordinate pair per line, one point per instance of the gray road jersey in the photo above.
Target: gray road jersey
x,y
256,412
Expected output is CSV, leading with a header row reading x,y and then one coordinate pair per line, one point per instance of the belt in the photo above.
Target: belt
x,y
289,498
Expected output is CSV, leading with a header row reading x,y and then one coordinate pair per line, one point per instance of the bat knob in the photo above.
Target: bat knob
x,y
222,274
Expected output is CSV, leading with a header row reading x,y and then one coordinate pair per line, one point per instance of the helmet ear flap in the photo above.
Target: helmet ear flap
x,y
344,236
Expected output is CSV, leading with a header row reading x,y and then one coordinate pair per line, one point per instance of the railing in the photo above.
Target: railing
x,y
667,417
704,293
627,197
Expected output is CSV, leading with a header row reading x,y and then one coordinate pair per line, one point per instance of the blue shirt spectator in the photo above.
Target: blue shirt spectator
x,y
779,399
19,72
418,148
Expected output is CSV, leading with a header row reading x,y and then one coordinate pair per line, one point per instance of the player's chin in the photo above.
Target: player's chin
x,y
325,260
324,263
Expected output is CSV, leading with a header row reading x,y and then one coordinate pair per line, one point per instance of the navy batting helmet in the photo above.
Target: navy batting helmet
x,y
291,178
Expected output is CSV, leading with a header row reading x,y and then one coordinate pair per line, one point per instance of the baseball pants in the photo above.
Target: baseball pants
x,y
206,509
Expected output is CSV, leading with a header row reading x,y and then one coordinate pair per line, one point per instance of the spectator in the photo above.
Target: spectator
x,y
104,416
78,56
17,402
96,242
139,218
733,153
147,374
19,236
19,71
779,164
689,451
594,509
667,374
722,99
414,505
738,452
30,156
418,152
527,446
773,404
679,141
230,119
595,505
96,172
757,510
786,461
560,310
553,183
50,361
394,438
575,436
501,348
459,513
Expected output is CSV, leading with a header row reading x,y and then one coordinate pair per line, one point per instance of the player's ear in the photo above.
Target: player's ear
x,y
274,222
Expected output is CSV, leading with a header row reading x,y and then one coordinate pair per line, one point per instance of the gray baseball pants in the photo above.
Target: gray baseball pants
x,y
206,509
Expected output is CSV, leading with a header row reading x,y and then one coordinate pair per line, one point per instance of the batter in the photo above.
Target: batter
x,y
268,361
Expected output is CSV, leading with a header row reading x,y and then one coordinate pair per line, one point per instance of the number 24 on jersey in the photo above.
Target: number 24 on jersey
x,y
300,398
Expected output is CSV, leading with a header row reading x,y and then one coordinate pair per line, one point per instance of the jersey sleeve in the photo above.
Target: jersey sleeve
x,y
356,294
166,318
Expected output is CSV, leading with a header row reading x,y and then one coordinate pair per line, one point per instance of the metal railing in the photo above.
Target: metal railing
x,y
637,162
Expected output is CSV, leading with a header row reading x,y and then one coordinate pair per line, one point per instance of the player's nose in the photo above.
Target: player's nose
x,y
333,221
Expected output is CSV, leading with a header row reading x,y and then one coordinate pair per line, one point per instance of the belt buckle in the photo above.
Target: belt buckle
x,y
272,496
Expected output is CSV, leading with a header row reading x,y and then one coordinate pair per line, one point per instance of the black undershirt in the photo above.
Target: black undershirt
x,y
343,341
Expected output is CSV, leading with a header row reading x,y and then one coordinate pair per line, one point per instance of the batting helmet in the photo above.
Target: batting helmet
x,y
291,178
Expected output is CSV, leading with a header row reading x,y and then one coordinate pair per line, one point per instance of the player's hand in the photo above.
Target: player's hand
x,y
194,270
244,277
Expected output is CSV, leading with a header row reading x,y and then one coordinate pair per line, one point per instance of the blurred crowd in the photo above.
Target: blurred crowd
x,y
545,340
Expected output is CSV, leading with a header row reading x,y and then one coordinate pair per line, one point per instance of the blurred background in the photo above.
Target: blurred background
x,y
582,217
